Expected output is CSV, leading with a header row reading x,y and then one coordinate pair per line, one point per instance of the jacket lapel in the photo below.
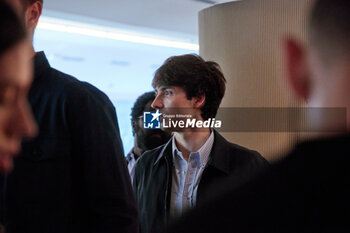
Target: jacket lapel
x,y
165,157
218,166
219,155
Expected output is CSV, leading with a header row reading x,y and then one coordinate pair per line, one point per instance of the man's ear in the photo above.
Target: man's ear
x,y
32,15
298,73
199,101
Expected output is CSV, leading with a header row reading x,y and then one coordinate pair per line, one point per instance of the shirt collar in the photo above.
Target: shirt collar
x,y
162,151
40,64
203,152
130,156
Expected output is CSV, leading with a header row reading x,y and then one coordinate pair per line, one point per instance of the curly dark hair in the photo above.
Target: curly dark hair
x,y
139,105
12,30
197,77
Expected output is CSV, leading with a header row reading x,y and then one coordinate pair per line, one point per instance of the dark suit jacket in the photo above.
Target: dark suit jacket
x,y
73,176
153,177
309,191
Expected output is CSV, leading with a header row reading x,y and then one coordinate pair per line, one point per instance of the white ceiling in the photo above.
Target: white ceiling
x,y
170,15
123,70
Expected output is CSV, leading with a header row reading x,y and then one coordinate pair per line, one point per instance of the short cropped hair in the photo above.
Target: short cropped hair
x,y
197,77
329,28
27,3
12,30
140,103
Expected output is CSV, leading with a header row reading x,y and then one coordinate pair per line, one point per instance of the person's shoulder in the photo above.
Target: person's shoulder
x,y
73,87
59,78
243,151
145,163
319,154
239,152
312,157
76,90
149,157
323,145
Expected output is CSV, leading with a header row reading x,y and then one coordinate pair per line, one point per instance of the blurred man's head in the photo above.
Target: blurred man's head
x,y
16,120
319,70
188,81
145,139
29,11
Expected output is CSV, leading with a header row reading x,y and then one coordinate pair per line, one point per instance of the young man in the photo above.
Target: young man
x,y
73,176
144,139
309,190
173,178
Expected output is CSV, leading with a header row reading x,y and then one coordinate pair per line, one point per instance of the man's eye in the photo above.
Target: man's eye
x,y
168,92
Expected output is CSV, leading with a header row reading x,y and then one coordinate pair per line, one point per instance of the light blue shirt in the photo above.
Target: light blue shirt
x,y
131,161
132,164
186,176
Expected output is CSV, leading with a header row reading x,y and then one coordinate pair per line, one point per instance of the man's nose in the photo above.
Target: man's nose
x,y
157,102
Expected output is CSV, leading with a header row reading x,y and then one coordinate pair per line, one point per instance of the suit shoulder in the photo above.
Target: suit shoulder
x,y
77,91
74,87
242,155
145,163
60,78
243,151
149,157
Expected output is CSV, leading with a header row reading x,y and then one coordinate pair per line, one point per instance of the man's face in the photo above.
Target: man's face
x,y
16,120
173,103
148,139
168,97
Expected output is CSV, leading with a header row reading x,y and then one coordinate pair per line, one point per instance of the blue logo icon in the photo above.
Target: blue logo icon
x,y
151,120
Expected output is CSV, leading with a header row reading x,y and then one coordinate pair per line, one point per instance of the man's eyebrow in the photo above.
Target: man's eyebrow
x,y
160,89
164,87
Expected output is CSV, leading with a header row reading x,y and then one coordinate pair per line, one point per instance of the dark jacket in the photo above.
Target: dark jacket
x,y
153,177
73,176
309,191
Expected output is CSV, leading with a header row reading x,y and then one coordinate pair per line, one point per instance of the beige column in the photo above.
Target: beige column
x,y
245,38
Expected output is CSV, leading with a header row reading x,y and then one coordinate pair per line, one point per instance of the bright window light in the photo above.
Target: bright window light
x,y
109,33
120,60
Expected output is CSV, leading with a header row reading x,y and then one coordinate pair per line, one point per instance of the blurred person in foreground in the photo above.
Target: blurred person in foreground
x,y
173,178
144,139
73,176
16,120
309,190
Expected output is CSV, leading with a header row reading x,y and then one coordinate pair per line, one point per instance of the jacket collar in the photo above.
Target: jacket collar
x,y
218,158
166,151
41,64
220,154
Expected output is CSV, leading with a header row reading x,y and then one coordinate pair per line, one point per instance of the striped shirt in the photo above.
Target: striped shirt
x,y
186,176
